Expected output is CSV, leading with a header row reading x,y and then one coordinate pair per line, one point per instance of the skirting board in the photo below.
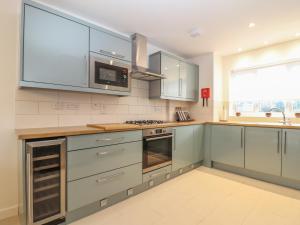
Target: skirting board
x,y
8,212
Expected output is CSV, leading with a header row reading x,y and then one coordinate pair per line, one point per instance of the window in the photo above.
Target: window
x,y
254,92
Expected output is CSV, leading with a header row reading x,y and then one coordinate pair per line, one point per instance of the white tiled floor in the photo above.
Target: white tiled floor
x,y
205,197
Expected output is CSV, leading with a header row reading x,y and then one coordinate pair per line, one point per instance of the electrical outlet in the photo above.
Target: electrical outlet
x,y
103,203
151,183
168,176
181,171
130,192
98,107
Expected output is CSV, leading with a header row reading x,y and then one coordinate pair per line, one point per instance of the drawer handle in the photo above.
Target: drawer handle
x,y
158,138
111,53
157,174
110,178
99,154
110,139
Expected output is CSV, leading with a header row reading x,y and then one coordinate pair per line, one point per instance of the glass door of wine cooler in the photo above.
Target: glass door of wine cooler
x,y
46,177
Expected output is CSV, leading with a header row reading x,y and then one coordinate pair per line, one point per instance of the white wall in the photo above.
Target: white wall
x,y
9,23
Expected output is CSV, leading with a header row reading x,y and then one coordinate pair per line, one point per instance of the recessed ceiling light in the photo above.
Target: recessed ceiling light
x,y
196,32
240,49
251,25
266,42
297,34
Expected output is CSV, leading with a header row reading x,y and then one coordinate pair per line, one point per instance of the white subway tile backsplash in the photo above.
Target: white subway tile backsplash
x,y
36,121
46,108
73,120
36,95
64,96
115,109
26,108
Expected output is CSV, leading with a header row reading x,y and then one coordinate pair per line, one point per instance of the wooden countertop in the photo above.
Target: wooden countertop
x,y
101,128
56,132
258,124
91,129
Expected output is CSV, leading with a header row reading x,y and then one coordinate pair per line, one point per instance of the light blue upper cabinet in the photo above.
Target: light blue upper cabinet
x,y
291,154
110,45
183,150
181,81
170,69
198,153
263,150
56,50
227,145
188,80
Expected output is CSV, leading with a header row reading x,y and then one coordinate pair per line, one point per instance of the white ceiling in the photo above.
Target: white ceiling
x,y
223,23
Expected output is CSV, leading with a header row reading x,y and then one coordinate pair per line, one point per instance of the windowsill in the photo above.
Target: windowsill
x,y
262,119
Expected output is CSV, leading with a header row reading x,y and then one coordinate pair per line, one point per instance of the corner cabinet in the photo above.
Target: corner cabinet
x,y
227,145
55,49
181,81
187,148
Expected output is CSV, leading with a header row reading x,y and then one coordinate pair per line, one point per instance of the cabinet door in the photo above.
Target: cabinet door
x,y
291,154
188,80
263,150
183,147
227,145
55,49
198,143
170,69
110,45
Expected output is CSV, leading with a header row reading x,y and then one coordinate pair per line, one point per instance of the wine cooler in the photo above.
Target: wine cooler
x,y
45,181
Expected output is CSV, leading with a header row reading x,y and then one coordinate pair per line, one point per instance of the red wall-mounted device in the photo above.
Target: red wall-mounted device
x,y
205,95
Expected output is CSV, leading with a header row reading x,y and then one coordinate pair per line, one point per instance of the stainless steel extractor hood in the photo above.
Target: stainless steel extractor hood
x,y
140,68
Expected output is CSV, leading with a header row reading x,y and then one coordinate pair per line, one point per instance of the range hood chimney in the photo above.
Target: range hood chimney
x,y
140,68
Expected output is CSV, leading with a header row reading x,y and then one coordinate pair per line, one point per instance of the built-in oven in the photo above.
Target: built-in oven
x,y
157,148
109,73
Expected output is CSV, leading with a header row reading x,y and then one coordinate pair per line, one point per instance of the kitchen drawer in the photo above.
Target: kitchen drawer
x,y
106,44
97,140
156,173
92,161
91,189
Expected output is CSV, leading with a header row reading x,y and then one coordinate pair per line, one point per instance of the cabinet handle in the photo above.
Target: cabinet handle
x,y
242,138
114,54
110,139
109,178
285,142
100,154
174,140
278,142
29,194
157,174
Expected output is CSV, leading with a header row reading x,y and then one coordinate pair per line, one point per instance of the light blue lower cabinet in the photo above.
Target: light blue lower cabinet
x,y
87,162
263,150
102,139
91,189
227,145
198,150
157,173
291,154
183,149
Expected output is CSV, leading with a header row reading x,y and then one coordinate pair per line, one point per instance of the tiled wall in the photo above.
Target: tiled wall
x,y
47,108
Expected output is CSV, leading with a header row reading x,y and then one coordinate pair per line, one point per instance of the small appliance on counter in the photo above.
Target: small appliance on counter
x,y
182,116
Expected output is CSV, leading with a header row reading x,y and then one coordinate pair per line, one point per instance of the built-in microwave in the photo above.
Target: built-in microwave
x,y
109,73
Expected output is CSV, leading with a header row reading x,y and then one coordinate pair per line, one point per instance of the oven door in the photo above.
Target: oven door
x,y
109,73
157,152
